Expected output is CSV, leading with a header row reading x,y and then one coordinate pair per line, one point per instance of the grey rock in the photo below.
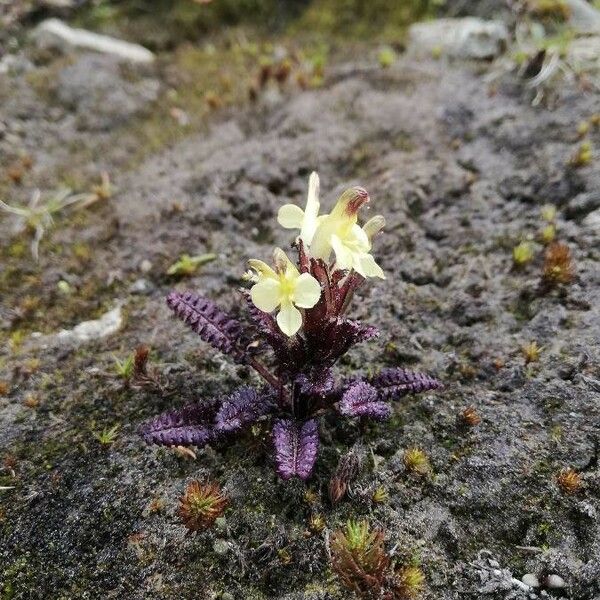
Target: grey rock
x,y
101,97
582,204
531,580
86,331
468,37
593,220
584,53
584,18
555,582
221,547
55,34
15,64
141,286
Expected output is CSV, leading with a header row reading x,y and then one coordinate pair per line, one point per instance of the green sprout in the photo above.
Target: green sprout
x,y
548,233
64,287
522,254
583,155
386,57
187,265
548,213
38,217
107,437
124,368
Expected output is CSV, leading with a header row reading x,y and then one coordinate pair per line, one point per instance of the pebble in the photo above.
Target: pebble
x,y
141,286
469,37
531,580
555,582
221,547
145,266
87,331
54,33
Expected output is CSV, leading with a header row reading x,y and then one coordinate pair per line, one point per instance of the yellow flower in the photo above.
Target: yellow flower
x,y
340,232
283,287
291,216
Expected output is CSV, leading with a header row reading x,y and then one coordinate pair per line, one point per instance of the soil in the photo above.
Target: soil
x,y
461,168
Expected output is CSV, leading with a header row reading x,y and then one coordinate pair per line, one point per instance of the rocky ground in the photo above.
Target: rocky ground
x,y
459,161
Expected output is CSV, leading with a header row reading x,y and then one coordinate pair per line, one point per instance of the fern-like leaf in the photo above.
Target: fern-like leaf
x,y
296,447
212,324
395,383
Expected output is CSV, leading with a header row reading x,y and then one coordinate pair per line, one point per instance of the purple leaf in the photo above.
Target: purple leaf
x,y
188,426
296,447
362,400
243,407
320,382
395,383
212,324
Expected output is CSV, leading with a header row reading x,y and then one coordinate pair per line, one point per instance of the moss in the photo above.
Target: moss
x,y
364,19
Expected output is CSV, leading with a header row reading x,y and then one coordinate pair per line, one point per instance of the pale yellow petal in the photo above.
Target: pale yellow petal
x,y
266,295
307,291
309,222
365,265
358,240
289,319
374,225
284,265
290,216
320,246
343,255
262,268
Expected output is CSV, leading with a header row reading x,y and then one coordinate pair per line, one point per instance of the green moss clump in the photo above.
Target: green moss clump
x,y
362,19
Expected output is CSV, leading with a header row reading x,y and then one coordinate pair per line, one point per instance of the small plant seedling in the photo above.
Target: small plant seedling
x,y
569,481
317,523
107,437
39,216
124,368
522,254
298,311
548,213
582,156
417,462
409,582
558,265
344,475
531,352
548,233
359,559
469,417
380,495
386,57
188,265
202,504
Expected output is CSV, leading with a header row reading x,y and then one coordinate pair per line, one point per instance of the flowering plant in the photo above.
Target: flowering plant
x,y
298,310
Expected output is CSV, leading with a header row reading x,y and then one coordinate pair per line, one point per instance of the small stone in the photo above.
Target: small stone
x,y
555,582
87,331
55,34
593,220
221,547
583,17
145,266
141,286
227,596
469,37
531,580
